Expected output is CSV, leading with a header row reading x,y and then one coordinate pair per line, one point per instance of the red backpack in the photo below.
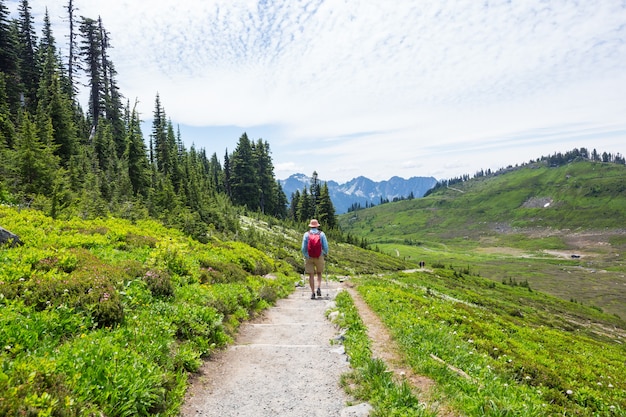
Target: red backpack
x,y
314,246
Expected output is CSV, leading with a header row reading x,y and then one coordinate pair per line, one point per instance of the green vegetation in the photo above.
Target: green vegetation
x,y
524,224
371,380
478,319
521,353
109,316
112,316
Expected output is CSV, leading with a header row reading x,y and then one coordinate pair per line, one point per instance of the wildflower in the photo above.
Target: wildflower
x,y
569,392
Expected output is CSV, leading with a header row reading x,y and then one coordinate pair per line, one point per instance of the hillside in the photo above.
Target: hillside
x,y
111,316
568,220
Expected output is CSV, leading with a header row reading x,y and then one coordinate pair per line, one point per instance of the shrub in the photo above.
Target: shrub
x,y
216,272
159,283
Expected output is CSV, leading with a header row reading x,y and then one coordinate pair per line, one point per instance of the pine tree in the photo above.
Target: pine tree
x,y
305,209
216,174
35,162
91,53
73,49
326,211
315,193
28,68
136,156
112,98
293,207
268,196
54,102
7,129
9,60
243,176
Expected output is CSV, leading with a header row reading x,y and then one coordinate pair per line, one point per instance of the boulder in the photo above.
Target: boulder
x,y
9,238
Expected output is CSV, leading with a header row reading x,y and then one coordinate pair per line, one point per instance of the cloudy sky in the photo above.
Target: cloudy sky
x,y
375,88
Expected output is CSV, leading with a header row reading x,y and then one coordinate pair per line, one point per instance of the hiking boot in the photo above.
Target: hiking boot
x,y
313,296
319,292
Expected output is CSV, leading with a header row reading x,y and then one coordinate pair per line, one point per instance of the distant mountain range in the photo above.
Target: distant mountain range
x,y
362,190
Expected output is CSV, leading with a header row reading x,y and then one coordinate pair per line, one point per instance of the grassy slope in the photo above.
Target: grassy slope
x,y
490,244
108,316
499,227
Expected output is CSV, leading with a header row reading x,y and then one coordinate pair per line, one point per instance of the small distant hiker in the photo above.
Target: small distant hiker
x,y
314,249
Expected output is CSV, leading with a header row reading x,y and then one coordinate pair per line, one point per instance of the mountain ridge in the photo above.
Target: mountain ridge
x,y
362,190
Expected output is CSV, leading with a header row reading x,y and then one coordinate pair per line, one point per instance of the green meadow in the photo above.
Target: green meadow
x,y
111,317
524,290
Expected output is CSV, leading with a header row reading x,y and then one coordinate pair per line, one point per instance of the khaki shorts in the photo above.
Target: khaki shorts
x,y
313,265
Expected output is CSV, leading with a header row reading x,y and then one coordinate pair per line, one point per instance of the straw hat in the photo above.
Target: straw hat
x,y
314,223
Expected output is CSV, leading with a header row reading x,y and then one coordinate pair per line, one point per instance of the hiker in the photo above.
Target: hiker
x,y
314,248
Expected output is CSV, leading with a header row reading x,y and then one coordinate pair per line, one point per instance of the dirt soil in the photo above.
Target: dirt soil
x,y
288,363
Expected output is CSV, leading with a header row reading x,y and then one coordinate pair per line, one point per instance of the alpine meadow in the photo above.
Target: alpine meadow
x,y
127,262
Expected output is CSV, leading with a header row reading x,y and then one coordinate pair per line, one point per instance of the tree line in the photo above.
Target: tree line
x,y
557,159
56,157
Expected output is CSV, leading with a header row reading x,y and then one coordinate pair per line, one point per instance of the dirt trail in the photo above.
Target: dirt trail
x,y
282,364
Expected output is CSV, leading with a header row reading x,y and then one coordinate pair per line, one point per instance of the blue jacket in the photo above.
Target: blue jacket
x,y
305,242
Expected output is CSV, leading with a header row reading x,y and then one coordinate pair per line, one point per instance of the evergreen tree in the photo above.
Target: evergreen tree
x,y
163,144
113,107
91,53
243,176
305,209
227,171
136,156
35,163
326,210
28,68
54,102
7,129
73,49
216,174
8,60
293,207
280,211
315,193
268,198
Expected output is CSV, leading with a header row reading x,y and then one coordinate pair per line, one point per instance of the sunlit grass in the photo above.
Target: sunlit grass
x,y
493,351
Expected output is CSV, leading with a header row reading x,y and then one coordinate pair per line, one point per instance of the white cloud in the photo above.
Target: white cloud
x,y
354,88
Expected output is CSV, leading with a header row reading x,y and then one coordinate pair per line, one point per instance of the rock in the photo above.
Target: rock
x,y
360,410
7,237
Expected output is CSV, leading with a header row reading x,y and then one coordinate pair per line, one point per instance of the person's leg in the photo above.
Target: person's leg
x,y
309,268
319,284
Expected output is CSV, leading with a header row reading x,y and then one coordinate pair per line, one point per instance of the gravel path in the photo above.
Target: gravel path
x,y
282,364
